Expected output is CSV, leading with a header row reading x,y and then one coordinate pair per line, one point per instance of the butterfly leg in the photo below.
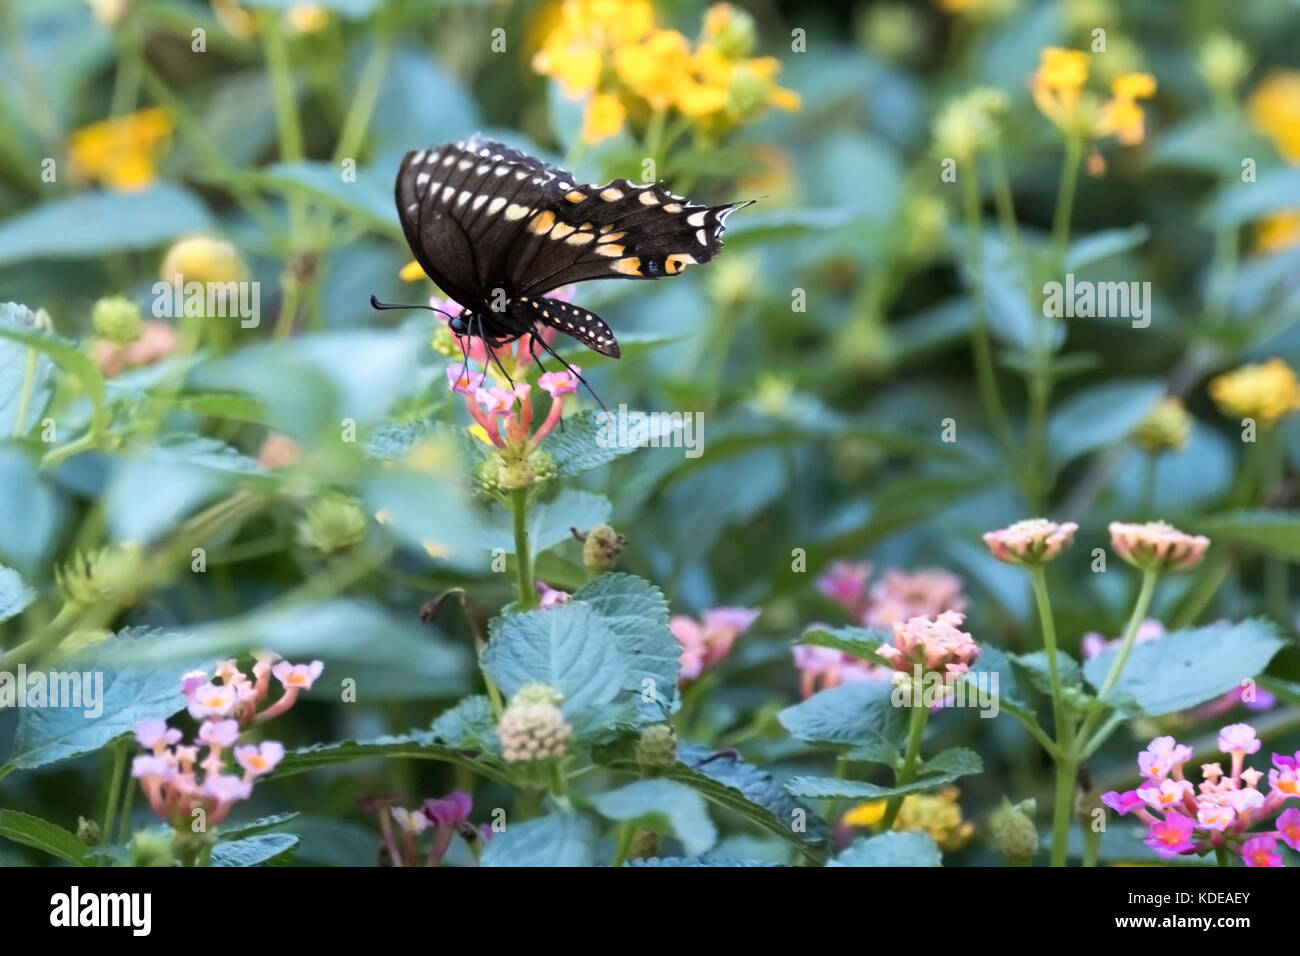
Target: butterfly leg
x,y
572,371
488,347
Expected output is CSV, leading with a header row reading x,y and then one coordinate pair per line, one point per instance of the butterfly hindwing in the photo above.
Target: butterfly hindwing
x,y
574,321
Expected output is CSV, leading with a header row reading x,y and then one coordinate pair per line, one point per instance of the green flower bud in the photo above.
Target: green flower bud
x,y
657,746
88,832
644,845
1166,427
332,524
891,30
108,576
533,728
117,319
601,548
1011,828
731,30
1223,63
516,473
151,848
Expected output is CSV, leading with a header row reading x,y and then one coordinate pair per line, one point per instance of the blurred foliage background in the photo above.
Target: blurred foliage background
x,y
826,347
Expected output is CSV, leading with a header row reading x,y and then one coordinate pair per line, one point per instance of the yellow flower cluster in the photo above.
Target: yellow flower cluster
x,y
1265,392
1059,90
122,153
938,814
1274,109
298,19
612,53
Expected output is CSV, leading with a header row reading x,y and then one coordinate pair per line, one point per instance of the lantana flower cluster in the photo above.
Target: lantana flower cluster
x,y
898,596
445,817
612,53
1226,810
214,771
937,645
1059,90
705,642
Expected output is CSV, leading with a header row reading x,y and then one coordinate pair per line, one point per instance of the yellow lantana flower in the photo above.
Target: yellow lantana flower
x,y
122,153
411,272
603,118
1274,109
1279,231
1123,116
938,814
1265,392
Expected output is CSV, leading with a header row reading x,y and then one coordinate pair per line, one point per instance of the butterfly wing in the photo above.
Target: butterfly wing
x,y
574,321
621,230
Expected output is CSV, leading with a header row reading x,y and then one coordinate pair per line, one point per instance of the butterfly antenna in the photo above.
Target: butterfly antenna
x,y
572,371
376,304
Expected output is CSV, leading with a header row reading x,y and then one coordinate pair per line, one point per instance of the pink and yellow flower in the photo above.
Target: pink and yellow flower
x,y
1030,542
705,642
1157,546
936,644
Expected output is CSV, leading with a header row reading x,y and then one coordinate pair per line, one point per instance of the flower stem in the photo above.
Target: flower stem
x,y
25,396
1149,579
523,550
1002,196
625,833
1091,846
1066,773
1275,569
981,350
114,788
1065,200
915,731
1048,624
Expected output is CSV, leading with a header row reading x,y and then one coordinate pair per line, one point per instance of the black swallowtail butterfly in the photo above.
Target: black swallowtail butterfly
x,y
497,229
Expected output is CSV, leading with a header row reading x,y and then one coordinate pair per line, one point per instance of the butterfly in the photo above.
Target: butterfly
x,y
497,229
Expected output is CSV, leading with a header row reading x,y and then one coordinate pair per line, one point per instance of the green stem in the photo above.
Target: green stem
x,y
1221,855
357,120
25,396
114,788
124,818
981,350
1048,624
1143,602
1003,198
523,550
625,834
1062,809
1275,568
1065,200
906,773
1091,846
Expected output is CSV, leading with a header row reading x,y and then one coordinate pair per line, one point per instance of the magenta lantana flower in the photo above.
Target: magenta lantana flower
x,y
1238,738
1288,827
155,735
1030,542
447,811
1171,836
461,378
845,583
297,676
218,733
563,382
1261,851
212,700
1157,546
821,668
549,597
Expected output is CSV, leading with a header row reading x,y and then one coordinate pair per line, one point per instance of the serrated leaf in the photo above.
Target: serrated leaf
x,y
960,761
265,849
42,835
859,641
664,807
1100,415
858,715
25,374
1035,666
234,831
130,692
1190,667
64,353
896,848
659,861
560,839
833,788
594,438
470,724
415,746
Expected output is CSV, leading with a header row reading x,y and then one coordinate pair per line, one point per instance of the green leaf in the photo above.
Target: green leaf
x,y
369,196
130,692
729,782
675,861
96,223
1274,532
471,724
15,596
42,835
1187,668
414,746
594,438
994,670
664,807
959,761
833,788
235,831
68,356
1240,202
1035,665
896,848
560,839
857,715
23,371
858,641
265,849
1100,415
606,651
1102,245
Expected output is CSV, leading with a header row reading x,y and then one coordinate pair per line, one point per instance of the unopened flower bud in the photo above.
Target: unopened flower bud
x,y
601,548
151,848
1011,828
108,576
332,524
1166,427
730,29
644,845
657,746
533,727
117,319
88,832
516,473
203,259
1157,546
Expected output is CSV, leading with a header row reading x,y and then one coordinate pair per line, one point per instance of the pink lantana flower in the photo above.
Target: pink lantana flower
x,y
463,379
1288,827
845,583
447,811
902,595
707,641
1157,546
212,700
1031,542
1261,851
258,760
937,645
824,667
1171,836
297,676
219,733
550,597
155,735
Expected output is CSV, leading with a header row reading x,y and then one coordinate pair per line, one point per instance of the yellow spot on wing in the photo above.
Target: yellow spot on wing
x,y
611,194
561,230
542,223
575,196
628,267
578,238
612,250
